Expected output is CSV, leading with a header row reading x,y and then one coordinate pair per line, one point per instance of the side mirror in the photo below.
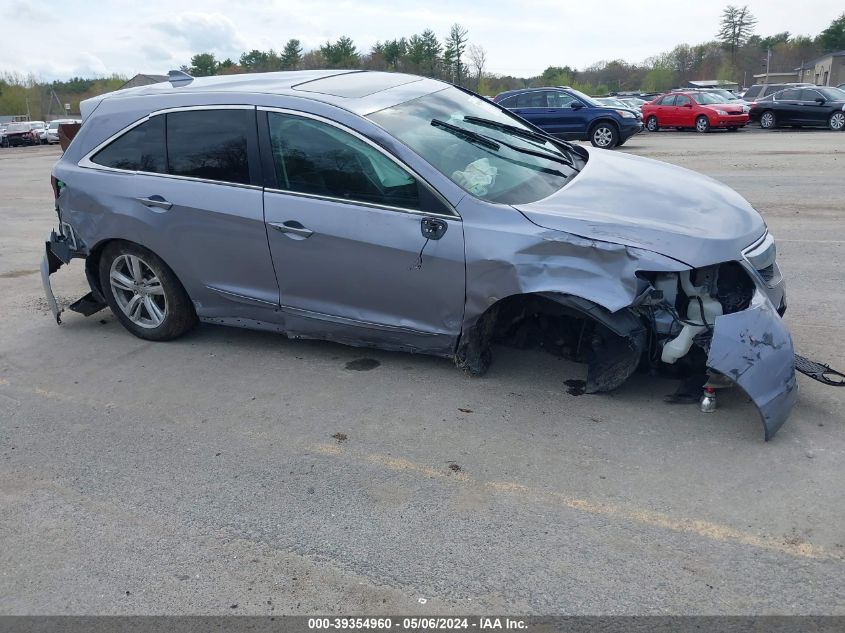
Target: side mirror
x,y
577,105
687,105
433,228
820,100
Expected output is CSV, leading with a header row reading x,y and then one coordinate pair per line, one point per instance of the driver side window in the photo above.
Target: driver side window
x,y
313,157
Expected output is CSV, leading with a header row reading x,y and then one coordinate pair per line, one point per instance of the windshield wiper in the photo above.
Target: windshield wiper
x,y
527,134
521,132
467,135
486,141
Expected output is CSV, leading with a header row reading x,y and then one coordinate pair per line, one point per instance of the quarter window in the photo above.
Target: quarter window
x,y
316,158
210,144
140,149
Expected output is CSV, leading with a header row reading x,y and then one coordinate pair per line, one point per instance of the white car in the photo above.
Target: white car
x,y
51,132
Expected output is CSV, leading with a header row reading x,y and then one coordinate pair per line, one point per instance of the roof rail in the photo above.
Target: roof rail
x,y
179,78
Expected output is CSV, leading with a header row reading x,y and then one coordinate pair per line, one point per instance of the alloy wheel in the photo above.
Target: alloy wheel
x,y
138,291
837,121
651,124
767,120
603,136
702,124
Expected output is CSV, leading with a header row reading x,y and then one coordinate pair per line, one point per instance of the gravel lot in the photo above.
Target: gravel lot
x,y
239,472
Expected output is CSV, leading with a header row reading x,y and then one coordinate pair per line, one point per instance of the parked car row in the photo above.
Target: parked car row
x,y
701,111
23,133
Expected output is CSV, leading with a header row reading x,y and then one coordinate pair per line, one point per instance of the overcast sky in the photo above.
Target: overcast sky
x,y
99,37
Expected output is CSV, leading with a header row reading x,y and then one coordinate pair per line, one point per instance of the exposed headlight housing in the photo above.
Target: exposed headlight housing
x,y
762,256
626,114
721,112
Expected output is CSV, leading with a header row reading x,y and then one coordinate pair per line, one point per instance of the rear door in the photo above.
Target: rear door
x,y
538,107
190,182
787,106
346,223
665,113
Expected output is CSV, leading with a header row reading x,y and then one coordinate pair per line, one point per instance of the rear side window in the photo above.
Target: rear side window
x,y
140,149
510,102
791,94
667,100
752,92
533,100
210,144
316,158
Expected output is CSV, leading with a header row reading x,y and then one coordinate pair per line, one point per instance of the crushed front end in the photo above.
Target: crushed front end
x,y
729,316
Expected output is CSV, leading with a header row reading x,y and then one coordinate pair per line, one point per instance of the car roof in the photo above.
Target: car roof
x,y
351,89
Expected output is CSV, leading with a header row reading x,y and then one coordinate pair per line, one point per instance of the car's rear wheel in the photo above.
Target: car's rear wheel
x,y
702,124
143,293
604,135
651,124
837,121
767,120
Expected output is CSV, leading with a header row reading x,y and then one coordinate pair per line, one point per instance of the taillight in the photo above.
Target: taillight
x,y
57,186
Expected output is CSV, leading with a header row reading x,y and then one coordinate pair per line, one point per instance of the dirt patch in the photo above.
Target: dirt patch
x,y
340,437
12,274
362,364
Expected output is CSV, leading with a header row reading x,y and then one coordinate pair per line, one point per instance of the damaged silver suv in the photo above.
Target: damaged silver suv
x,y
394,211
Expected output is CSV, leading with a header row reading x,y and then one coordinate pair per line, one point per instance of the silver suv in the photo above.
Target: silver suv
x,y
390,210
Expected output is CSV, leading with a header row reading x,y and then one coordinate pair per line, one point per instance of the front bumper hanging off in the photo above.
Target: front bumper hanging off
x,y
753,348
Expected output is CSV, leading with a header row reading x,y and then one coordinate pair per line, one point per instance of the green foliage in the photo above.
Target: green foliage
x,y
340,54
736,27
833,37
291,55
203,65
658,79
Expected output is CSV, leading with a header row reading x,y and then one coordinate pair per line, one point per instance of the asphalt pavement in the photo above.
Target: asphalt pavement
x,y
239,472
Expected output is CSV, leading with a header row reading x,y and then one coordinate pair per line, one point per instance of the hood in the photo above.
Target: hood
x,y
727,107
648,204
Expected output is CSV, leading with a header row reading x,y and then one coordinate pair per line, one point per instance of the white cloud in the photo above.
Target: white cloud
x,y
107,36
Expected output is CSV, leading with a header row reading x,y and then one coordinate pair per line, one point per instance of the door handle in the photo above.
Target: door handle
x,y
155,201
292,229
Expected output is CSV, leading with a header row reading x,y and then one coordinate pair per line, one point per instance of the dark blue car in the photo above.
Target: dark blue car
x,y
569,114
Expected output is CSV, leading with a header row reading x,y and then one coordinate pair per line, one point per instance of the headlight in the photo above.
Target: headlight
x,y
763,253
721,113
626,114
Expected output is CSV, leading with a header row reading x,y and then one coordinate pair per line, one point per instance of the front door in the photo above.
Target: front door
x,y
346,225
684,112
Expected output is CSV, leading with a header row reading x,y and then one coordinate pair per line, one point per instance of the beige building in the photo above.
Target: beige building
x,y
827,70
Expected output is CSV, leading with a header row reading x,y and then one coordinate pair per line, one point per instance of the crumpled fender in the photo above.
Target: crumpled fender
x,y
754,349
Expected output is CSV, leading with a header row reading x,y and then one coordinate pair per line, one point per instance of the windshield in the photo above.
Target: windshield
x,y
489,153
585,98
724,94
616,103
705,98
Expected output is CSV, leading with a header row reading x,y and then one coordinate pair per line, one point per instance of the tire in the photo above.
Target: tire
x,y
651,124
768,120
604,135
153,312
836,122
702,124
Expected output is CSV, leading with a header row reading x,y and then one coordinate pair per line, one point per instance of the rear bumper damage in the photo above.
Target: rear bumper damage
x,y
754,349
59,249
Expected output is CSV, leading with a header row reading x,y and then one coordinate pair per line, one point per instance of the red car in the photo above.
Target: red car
x,y
702,111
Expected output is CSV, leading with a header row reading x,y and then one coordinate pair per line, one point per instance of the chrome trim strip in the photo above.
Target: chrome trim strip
x,y
375,146
370,205
242,298
347,321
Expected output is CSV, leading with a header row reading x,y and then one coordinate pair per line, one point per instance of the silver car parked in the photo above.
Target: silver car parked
x,y
394,211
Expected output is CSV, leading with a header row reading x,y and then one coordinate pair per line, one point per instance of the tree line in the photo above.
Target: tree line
x,y
736,54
